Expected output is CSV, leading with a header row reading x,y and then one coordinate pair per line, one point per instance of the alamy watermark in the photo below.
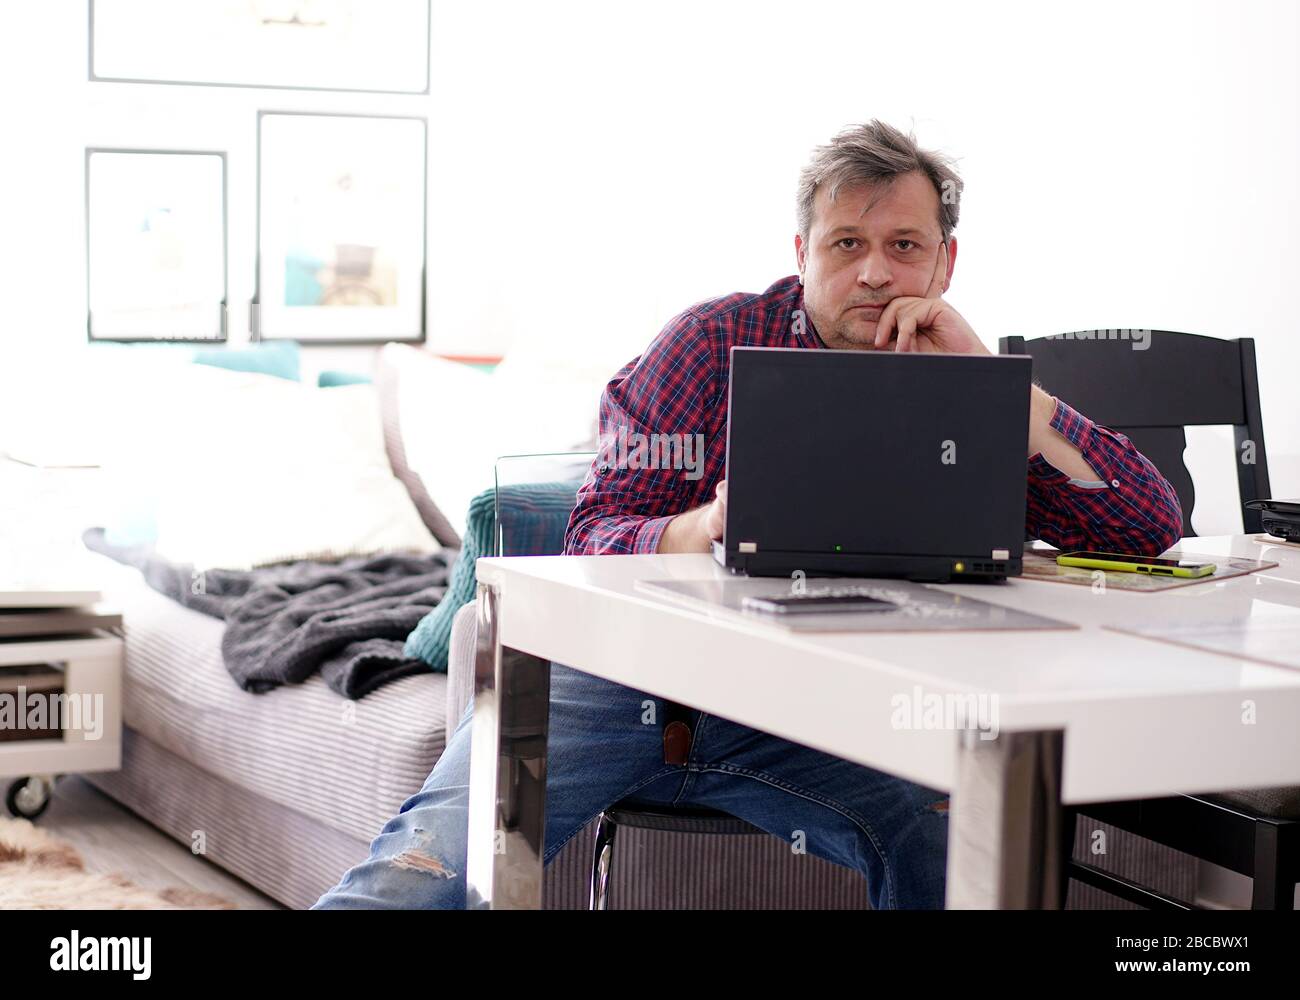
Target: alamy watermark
x,y
43,711
76,953
682,452
918,709
1141,339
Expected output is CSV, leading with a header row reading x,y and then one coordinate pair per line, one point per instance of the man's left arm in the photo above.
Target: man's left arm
x,y
1089,488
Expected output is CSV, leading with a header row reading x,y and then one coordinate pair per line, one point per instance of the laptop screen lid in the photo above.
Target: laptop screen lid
x,y
876,452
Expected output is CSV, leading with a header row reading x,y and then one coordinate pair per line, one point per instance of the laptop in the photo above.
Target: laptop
x,y
862,463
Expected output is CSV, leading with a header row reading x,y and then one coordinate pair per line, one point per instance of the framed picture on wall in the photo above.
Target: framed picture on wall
x,y
367,45
155,244
340,228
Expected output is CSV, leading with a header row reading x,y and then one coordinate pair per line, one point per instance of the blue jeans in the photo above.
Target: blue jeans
x,y
606,744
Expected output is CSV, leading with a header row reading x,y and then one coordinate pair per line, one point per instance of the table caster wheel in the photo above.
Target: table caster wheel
x,y
29,797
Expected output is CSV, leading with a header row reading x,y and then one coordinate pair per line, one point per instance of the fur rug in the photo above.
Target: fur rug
x,y
41,872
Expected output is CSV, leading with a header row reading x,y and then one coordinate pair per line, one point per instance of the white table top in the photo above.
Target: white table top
x,y
1141,717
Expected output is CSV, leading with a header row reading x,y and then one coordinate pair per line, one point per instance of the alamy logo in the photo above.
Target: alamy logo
x,y
79,712
621,450
919,709
1141,338
102,954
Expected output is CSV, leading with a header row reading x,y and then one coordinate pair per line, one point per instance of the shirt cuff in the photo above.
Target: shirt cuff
x,y
648,534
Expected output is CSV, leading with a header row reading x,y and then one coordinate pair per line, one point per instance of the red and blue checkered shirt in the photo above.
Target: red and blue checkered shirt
x,y
679,386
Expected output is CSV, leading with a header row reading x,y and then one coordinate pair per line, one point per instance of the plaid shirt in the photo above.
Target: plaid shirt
x,y
679,386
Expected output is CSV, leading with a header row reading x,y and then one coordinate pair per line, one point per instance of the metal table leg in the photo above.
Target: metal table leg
x,y
507,783
1005,822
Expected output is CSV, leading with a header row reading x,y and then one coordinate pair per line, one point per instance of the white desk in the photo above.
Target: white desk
x,y
1086,715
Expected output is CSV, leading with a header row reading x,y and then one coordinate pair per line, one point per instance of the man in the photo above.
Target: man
x,y
875,251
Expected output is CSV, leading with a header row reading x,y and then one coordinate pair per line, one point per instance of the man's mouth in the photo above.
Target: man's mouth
x,y
868,308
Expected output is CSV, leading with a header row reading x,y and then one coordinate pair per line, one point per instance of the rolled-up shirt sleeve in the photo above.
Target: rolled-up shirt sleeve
x,y
651,463
1132,508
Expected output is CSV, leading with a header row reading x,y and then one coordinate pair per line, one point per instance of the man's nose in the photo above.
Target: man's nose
x,y
875,271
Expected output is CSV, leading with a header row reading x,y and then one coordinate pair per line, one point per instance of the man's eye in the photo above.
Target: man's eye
x,y
910,245
848,239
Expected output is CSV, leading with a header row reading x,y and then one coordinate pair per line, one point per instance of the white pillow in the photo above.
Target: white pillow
x,y
454,421
254,470
558,401
245,518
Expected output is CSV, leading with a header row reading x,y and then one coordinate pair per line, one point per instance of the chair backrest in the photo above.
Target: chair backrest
x,y
1151,384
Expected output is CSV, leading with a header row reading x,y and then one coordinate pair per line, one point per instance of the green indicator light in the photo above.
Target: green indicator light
x,y
839,548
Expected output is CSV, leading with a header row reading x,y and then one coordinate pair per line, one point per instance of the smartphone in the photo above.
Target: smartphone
x,y
817,604
1153,565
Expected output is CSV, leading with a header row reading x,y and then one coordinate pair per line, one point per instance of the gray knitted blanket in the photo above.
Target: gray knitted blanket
x,y
347,620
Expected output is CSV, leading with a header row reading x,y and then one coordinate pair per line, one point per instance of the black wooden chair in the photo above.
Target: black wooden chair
x,y
1150,385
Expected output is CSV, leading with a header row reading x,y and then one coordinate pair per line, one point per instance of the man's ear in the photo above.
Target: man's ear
x,y
800,253
952,261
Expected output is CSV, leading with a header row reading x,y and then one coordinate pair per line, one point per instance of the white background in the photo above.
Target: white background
x,y
594,168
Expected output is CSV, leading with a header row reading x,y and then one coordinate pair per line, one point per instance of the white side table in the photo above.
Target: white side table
x,y
89,715
45,510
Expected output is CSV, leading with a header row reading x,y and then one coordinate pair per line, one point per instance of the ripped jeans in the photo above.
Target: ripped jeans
x,y
606,745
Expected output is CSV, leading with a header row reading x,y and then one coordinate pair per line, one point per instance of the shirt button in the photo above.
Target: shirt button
x,y
1114,482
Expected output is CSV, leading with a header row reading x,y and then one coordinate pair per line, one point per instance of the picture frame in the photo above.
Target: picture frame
x,y
156,245
341,228
367,46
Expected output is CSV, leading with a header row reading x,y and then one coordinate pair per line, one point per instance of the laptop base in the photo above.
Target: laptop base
x,y
922,569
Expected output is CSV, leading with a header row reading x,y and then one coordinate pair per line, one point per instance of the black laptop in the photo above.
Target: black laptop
x,y
862,463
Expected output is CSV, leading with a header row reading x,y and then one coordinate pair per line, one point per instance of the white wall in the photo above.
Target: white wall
x,y
597,167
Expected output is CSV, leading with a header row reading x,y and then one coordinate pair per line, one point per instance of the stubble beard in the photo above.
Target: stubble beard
x,y
848,334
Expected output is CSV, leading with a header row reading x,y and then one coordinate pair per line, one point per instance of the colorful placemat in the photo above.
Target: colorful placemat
x,y
1040,565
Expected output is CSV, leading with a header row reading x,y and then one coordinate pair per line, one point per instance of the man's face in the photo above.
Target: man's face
x,y
871,244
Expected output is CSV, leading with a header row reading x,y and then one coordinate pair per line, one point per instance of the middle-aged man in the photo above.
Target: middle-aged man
x,y
876,251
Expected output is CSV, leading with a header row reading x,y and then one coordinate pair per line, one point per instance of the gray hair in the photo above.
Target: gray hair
x,y
877,153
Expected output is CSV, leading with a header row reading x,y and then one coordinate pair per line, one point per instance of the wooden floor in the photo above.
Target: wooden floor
x,y
111,838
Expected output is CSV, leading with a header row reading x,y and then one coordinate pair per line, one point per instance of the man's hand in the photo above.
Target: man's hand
x,y
927,324
695,530
715,514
